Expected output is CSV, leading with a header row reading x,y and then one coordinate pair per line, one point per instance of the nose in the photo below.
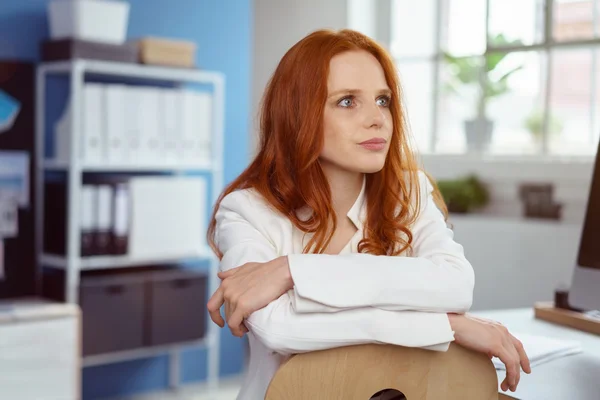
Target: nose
x,y
375,117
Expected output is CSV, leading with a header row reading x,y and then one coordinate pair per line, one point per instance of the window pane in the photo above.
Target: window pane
x,y
458,101
571,96
413,28
509,27
573,19
463,26
416,79
516,101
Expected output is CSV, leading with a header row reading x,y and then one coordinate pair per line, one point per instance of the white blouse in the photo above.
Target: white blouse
x,y
345,299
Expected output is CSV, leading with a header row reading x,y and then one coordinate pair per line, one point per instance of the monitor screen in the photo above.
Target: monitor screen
x,y
589,246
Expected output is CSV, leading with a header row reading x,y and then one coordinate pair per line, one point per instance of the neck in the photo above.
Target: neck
x,y
345,187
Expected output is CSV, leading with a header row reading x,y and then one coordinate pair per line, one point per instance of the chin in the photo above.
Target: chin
x,y
368,167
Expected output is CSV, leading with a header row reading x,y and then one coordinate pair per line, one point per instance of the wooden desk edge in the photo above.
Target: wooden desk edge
x,y
547,312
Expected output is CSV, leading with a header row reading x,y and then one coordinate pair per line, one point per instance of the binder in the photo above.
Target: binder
x,y
170,125
122,211
93,124
132,103
115,134
88,221
147,121
104,223
196,126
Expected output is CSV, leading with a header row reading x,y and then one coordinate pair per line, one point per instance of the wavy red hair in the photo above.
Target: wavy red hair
x,y
286,170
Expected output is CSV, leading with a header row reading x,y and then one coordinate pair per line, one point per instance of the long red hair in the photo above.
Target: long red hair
x,y
286,171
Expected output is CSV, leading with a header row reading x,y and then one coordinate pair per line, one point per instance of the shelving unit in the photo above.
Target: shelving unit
x,y
72,263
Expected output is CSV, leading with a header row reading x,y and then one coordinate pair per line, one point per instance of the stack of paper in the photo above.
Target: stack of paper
x,y
542,349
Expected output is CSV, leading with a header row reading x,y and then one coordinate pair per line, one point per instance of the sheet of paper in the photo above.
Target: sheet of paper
x,y
9,213
543,349
14,176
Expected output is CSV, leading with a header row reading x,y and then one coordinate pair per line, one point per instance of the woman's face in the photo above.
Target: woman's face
x,y
357,117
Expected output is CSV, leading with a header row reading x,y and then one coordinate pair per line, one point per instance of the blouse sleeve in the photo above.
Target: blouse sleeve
x,y
436,278
284,330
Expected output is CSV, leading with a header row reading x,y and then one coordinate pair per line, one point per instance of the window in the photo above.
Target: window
x,y
513,77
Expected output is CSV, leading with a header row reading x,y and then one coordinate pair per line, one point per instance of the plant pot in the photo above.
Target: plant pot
x,y
479,134
103,21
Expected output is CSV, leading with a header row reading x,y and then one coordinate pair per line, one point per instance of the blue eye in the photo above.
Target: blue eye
x,y
383,101
346,102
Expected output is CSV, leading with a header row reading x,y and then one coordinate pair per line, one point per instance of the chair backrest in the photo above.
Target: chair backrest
x,y
358,372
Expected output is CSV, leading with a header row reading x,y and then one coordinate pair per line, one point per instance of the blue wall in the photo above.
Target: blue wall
x,y
223,32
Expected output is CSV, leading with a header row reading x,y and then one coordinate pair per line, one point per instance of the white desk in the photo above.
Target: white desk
x,y
575,377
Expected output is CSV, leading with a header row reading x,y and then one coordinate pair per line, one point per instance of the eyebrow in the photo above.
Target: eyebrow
x,y
356,91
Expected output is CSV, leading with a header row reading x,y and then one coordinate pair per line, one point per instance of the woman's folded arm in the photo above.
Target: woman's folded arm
x,y
280,327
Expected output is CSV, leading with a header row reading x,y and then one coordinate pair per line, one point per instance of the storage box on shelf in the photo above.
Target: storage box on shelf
x,y
196,139
131,309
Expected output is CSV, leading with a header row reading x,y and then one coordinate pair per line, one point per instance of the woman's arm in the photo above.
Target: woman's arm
x,y
280,327
436,278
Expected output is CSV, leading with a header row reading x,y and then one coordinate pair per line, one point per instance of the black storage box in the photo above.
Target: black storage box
x,y
113,313
176,307
68,49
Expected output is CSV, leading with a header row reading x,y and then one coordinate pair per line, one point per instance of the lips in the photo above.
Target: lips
x,y
374,144
374,141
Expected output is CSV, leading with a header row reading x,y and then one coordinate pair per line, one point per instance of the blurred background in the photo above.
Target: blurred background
x,y
120,121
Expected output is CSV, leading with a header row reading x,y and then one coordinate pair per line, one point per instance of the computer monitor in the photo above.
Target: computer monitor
x,y
585,287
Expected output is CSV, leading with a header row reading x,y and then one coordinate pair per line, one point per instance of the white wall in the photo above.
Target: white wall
x,y
278,25
516,262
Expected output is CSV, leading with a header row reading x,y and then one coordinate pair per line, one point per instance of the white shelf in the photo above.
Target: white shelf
x,y
133,70
59,165
110,262
77,73
142,352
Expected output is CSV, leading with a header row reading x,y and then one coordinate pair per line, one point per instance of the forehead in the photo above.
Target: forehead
x,y
355,70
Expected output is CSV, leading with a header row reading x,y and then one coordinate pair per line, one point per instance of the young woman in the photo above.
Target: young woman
x,y
333,236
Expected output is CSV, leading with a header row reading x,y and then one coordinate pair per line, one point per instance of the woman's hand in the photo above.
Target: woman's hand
x,y
493,339
248,288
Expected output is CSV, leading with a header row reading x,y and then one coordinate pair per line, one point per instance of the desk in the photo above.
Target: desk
x,y
574,377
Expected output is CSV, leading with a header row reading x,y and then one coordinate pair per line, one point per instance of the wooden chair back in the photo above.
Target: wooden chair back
x,y
358,372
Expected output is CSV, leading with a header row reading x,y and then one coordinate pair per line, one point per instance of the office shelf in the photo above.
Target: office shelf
x,y
77,73
58,165
108,262
143,352
132,70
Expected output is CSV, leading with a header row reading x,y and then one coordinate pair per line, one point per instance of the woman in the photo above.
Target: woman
x,y
332,236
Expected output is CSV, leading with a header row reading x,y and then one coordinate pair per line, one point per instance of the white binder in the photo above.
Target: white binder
x,y
115,140
133,113
93,124
147,121
196,126
170,125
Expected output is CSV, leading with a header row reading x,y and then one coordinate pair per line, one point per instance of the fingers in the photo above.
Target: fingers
x,y
226,274
525,364
510,358
236,321
214,307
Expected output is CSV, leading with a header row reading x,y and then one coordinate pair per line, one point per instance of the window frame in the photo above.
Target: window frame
x,y
545,47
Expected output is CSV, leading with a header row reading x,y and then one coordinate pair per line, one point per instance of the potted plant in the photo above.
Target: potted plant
x,y
466,73
534,123
464,195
